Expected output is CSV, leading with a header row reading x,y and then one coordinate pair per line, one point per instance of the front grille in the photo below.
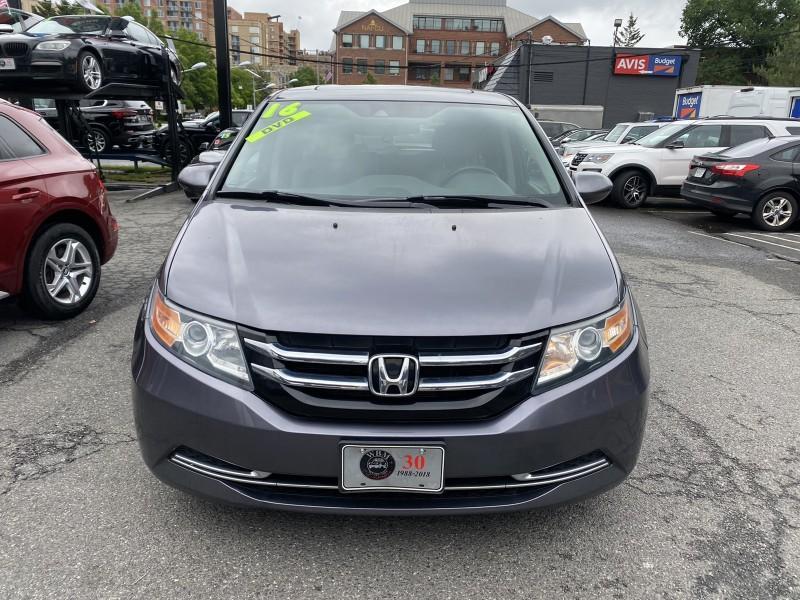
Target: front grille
x,y
326,376
578,158
247,479
15,49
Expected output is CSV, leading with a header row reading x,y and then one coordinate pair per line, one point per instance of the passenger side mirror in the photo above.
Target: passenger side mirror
x,y
194,178
6,29
676,145
592,187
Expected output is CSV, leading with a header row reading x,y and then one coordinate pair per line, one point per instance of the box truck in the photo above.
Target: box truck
x,y
732,101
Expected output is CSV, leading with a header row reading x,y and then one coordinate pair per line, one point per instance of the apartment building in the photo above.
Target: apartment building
x,y
194,15
442,41
253,35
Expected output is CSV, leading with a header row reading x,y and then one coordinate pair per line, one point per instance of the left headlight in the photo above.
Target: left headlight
x,y
587,345
53,46
598,158
210,345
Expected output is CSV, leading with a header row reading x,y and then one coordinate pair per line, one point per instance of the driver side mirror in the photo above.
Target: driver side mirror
x,y
6,29
676,145
592,187
194,178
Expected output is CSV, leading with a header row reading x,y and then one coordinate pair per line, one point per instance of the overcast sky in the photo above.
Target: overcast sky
x,y
659,21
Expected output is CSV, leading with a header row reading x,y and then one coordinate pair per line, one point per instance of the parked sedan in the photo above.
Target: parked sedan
x,y
84,53
56,228
759,178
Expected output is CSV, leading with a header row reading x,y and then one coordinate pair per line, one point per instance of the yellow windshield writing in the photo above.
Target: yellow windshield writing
x,y
288,114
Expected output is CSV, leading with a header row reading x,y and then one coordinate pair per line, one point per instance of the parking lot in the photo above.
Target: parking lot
x,y
712,510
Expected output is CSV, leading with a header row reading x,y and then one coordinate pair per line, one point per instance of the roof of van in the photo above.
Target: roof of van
x,y
404,93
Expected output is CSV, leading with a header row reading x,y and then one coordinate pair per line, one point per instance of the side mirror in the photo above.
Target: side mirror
x,y
566,140
194,179
6,29
203,147
676,145
592,187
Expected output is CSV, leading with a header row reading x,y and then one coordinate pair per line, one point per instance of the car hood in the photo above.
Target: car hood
x,y
613,148
391,272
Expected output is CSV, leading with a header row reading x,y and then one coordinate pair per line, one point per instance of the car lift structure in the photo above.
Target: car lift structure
x,y
69,113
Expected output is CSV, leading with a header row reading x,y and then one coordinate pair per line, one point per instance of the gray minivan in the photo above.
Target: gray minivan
x,y
391,300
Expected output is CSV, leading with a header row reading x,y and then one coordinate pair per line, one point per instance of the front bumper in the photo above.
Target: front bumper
x,y
178,407
42,67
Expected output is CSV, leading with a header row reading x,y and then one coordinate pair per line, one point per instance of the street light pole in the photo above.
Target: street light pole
x,y
617,25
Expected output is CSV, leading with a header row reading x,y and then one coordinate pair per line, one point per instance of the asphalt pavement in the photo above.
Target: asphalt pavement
x,y
712,510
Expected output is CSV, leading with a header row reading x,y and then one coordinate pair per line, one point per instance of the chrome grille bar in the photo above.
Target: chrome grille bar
x,y
477,382
330,382
440,359
285,354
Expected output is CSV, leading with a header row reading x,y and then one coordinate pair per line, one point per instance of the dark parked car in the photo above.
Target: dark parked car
x,y
577,135
391,300
84,53
553,129
56,227
196,133
758,178
124,123
13,20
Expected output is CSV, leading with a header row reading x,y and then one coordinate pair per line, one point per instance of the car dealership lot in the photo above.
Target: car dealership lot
x,y
712,510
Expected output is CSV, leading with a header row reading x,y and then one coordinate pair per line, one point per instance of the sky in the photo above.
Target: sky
x,y
659,21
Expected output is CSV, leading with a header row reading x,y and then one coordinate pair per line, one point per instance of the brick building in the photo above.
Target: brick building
x,y
261,33
427,41
194,15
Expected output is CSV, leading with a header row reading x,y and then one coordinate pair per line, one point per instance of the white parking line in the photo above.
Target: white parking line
x,y
762,241
680,212
713,237
774,236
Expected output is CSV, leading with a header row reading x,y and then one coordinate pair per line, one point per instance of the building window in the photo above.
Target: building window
x,y
394,67
448,74
458,24
397,42
480,48
361,66
464,47
495,49
450,47
420,47
380,41
347,65
380,67
363,41
427,23
436,46
463,73
347,40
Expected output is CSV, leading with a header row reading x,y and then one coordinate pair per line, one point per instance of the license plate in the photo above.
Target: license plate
x,y
7,64
392,468
699,172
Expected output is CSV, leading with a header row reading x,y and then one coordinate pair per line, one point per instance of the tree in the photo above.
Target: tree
x,y
134,9
736,36
199,87
630,36
370,79
306,76
45,8
782,67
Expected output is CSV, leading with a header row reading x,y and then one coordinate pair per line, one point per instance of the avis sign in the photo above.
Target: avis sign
x,y
657,65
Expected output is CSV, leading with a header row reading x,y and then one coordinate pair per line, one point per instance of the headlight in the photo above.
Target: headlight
x,y
587,345
53,46
597,159
210,345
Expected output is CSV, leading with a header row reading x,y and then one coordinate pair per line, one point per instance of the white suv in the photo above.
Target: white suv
x,y
658,163
622,133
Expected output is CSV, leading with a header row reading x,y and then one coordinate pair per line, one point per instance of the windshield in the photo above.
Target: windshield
x,y
384,149
89,25
654,139
616,133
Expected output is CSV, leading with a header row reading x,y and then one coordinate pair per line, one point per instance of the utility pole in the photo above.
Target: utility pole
x,y
223,62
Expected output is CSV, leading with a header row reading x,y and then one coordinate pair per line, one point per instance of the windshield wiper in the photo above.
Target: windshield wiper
x,y
283,197
467,201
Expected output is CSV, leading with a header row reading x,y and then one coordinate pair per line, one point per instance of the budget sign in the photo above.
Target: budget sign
x,y
689,106
658,65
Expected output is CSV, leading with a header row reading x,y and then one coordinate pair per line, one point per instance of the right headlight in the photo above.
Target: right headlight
x,y
53,46
586,345
598,158
210,345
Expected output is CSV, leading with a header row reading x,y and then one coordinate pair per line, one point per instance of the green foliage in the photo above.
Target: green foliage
x,y
435,79
630,34
782,67
370,79
306,76
134,9
199,87
62,7
752,27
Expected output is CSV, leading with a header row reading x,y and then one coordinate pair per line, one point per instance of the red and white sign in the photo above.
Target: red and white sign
x,y
631,65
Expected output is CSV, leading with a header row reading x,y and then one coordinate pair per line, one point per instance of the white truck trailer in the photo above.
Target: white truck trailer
x,y
732,101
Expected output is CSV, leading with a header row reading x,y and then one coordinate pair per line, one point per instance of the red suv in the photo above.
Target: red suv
x,y
56,227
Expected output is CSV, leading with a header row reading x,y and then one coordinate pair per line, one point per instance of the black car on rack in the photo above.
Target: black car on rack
x,y
127,124
84,53
193,134
758,178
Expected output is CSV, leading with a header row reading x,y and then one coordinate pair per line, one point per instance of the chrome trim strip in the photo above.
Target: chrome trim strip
x,y
202,471
283,353
330,382
222,471
553,479
535,477
477,382
439,359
